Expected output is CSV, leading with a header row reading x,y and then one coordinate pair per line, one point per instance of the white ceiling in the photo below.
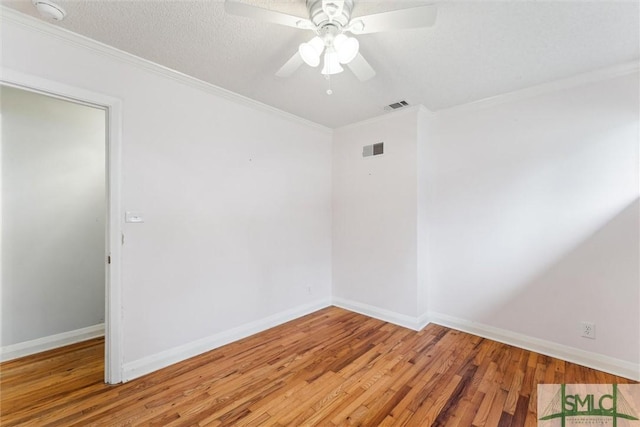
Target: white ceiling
x,y
476,50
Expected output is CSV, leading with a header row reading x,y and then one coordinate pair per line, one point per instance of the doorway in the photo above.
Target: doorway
x,y
60,217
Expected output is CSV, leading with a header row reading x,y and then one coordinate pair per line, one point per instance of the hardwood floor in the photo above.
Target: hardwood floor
x,y
330,368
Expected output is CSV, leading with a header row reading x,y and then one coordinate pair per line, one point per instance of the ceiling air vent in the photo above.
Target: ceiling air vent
x,y
396,105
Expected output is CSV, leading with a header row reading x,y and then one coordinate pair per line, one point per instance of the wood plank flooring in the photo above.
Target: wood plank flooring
x,y
330,368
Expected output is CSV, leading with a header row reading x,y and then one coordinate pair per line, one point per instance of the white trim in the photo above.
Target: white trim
x,y
70,37
387,115
26,348
589,359
113,289
581,79
602,74
403,320
104,49
113,106
423,321
148,364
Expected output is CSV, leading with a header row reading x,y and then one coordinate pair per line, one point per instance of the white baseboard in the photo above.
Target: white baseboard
x,y
140,367
597,361
27,348
415,323
423,321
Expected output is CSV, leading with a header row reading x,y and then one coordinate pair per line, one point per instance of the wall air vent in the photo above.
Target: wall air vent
x,y
373,150
396,105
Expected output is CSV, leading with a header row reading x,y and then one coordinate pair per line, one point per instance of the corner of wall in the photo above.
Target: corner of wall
x,y
410,322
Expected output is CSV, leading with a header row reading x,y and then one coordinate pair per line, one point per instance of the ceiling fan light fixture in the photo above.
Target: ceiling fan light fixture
x,y
346,47
332,8
331,63
311,50
355,26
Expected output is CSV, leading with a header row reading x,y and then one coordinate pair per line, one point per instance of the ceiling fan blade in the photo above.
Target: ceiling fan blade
x,y
290,66
361,68
235,7
403,19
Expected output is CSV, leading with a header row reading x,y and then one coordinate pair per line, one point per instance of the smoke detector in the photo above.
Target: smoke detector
x,y
49,9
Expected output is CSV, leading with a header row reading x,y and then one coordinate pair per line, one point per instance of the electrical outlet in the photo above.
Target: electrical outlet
x,y
588,330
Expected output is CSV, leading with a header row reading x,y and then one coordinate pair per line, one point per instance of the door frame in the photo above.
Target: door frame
x,y
113,364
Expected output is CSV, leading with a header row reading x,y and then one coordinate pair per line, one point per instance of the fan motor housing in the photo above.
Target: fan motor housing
x,y
320,18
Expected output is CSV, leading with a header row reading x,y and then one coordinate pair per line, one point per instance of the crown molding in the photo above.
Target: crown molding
x,y
413,109
62,34
581,79
598,75
72,38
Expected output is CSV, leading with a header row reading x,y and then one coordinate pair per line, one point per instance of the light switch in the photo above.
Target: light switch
x,y
133,217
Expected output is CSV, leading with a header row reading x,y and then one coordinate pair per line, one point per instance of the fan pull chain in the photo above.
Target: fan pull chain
x,y
328,79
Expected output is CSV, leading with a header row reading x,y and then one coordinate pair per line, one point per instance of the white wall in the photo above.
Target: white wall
x,y
534,216
53,216
522,205
375,214
517,219
236,199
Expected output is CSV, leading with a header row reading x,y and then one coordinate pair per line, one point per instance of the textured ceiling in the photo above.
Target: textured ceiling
x,y
476,50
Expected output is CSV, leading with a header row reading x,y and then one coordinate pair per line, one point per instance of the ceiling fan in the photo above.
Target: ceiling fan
x,y
331,20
